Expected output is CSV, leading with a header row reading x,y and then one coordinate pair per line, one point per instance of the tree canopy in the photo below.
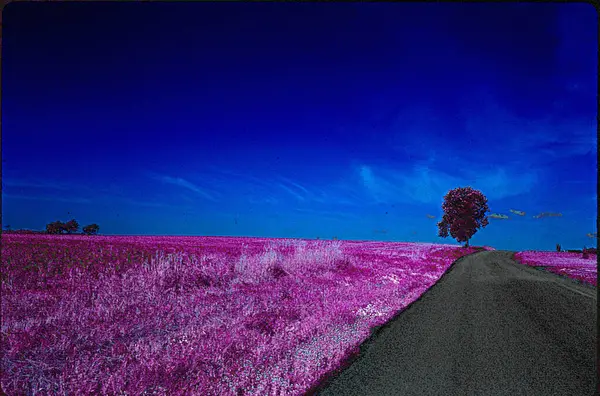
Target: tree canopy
x,y
71,227
464,213
91,229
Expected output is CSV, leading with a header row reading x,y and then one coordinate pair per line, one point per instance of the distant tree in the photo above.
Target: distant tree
x,y
56,227
71,226
558,247
91,229
464,212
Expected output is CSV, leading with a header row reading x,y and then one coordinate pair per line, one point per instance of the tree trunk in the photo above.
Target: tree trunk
x,y
467,244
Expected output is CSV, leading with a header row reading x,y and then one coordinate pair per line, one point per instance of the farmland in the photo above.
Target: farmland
x,y
198,315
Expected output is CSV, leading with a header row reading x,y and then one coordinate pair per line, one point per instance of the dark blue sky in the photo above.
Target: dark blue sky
x,y
301,120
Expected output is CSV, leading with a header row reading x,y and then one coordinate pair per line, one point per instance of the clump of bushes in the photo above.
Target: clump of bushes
x,y
70,227
91,229
586,252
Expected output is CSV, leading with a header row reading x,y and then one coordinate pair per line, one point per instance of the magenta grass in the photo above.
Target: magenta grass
x,y
571,265
197,315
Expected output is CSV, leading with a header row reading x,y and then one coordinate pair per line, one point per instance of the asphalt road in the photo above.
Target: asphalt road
x,y
488,327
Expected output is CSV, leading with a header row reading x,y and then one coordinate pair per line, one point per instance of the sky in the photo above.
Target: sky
x,y
302,120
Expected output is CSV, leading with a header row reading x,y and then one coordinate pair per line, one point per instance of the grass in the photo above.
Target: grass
x,y
196,315
567,264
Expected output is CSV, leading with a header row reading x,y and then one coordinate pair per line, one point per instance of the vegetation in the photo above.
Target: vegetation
x,y
70,227
587,251
294,309
56,227
558,247
91,229
569,265
464,212
23,231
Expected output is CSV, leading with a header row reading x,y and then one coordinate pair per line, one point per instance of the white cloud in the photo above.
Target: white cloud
x,y
422,184
178,181
291,192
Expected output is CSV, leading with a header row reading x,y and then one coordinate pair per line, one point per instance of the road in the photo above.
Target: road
x,y
488,327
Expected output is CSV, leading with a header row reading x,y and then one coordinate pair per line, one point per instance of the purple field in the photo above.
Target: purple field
x,y
197,315
206,315
567,264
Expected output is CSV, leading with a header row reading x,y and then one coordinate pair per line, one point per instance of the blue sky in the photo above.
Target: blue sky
x,y
301,120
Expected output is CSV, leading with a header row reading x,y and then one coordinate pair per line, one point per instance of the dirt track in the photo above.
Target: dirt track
x,y
488,327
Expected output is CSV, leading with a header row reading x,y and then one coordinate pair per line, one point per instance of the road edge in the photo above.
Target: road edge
x,y
355,355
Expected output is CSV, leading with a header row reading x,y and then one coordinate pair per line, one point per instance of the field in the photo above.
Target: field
x,y
570,265
197,315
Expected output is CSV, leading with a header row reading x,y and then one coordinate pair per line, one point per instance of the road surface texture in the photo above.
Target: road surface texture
x,y
488,327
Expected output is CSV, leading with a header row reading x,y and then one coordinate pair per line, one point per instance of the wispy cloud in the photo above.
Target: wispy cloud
x,y
541,139
135,202
425,184
270,185
38,184
101,199
263,200
73,193
180,182
60,186
298,186
325,213
240,177
315,195
291,192
47,198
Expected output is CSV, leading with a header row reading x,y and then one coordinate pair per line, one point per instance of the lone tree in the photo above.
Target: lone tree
x,y
91,229
71,226
56,227
464,212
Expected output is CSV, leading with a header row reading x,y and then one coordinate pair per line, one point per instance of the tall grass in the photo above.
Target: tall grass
x,y
206,316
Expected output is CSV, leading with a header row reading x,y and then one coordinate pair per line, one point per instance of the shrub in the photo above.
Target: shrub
x,y
71,226
56,227
91,229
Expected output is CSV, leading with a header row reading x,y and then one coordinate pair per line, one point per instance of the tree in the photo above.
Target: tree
x,y
585,253
71,226
91,229
464,212
56,227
